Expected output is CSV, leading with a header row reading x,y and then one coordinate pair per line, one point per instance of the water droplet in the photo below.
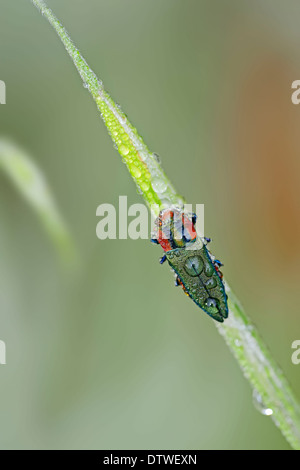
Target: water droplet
x,y
144,186
210,283
208,269
211,303
193,265
258,403
85,85
135,171
123,150
159,186
238,343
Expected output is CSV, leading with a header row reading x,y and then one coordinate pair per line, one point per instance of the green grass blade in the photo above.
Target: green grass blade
x,y
142,164
255,360
31,184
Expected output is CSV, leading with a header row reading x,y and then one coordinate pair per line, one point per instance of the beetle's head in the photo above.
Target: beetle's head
x,y
175,229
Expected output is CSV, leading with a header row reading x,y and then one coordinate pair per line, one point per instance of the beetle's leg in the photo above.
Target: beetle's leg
x,y
218,263
154,240
206,240
194,218
220,274
163,259
178,282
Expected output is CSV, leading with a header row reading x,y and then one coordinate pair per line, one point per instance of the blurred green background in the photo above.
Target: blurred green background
x,y
110,355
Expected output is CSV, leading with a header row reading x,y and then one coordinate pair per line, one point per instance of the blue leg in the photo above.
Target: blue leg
x,y
218,263
163,259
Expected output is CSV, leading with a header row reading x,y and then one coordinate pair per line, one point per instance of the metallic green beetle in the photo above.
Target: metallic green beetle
x,y
196,271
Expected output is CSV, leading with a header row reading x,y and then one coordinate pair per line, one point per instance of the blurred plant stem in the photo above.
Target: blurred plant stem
x,y
271,390
31,184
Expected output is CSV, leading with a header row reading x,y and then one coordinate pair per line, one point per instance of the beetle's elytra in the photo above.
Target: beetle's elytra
x,y
196,270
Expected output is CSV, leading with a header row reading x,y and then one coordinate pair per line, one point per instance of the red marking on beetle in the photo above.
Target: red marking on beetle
x,y
164,241
189,227
174,229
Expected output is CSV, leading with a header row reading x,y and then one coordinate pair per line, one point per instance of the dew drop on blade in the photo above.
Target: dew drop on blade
x,y
159,186
258,403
